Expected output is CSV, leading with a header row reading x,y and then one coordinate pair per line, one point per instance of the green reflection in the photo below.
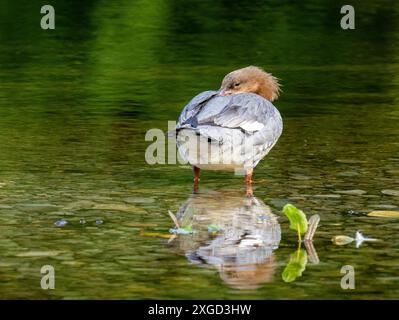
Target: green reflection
x,y
75,103
296,266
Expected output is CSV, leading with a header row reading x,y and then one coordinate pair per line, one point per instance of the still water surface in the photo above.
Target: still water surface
x,y
76,102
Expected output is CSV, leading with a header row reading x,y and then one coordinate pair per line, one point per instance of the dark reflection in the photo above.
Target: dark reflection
x,y
233,233
312,253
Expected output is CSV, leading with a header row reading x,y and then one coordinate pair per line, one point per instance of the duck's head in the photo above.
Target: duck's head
x,y
251,79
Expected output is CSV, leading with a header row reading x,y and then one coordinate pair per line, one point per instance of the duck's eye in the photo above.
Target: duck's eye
x,y
237,84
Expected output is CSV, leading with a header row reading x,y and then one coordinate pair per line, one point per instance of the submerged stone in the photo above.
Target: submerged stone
x,y
38,254
139,200
354,192
389,192
61,223
118,207
327,196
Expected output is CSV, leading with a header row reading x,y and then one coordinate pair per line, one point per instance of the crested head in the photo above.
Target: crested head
x,y
251,79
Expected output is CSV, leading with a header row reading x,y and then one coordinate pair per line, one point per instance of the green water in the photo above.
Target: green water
x,y
76,102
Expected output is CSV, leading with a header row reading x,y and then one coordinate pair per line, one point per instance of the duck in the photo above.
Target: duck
x,y
233,128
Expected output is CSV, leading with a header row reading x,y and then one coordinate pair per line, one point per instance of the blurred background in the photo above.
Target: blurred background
x,y
76,102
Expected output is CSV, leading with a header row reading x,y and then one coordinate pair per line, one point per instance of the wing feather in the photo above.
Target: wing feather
x,y
231,119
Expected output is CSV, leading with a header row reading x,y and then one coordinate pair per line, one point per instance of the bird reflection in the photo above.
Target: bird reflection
x,y
235,234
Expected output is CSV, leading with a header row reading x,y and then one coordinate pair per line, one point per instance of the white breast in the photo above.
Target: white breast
x,y
252,126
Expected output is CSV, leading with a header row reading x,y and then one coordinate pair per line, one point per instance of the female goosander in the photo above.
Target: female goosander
x,y
232,128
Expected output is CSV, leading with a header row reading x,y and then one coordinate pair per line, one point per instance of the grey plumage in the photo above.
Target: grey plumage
x,y
237,130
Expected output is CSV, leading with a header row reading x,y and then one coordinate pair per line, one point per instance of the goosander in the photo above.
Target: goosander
x,y
232,128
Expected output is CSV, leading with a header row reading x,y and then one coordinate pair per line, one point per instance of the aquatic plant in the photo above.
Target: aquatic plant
x,y
297,218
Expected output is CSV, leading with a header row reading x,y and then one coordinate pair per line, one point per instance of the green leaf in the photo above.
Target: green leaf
x,y
297,218
296,266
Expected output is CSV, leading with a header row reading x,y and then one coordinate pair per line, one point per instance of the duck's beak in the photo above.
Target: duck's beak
x,y
224,92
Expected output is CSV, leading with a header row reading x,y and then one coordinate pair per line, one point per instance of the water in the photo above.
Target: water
x,y
75,104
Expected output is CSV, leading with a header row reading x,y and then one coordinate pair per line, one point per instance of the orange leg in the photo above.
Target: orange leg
x,y
248,176
248,182
196,178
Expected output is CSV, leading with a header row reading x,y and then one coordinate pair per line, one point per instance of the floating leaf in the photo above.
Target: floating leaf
x,y
342,240
297,218
155,234
384,214
296,266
